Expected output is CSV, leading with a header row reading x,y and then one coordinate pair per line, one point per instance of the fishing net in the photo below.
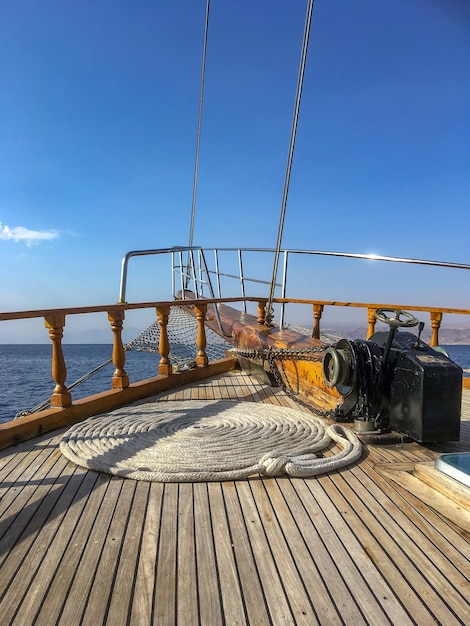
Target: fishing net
x,y
182,335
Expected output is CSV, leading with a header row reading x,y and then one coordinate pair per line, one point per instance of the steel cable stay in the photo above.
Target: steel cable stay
x,y
268,316
199,125
190,267
279,354
47,403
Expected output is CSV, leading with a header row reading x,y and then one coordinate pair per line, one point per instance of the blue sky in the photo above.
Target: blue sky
x,y
98,119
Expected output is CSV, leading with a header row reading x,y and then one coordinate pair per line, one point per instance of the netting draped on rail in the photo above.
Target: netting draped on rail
x,y
182,335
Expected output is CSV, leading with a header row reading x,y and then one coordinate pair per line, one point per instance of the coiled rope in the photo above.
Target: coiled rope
x,y
209,440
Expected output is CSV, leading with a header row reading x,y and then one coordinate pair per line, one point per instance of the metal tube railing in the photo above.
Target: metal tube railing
x,y
217,273
201,274
242,278
134,253
284,286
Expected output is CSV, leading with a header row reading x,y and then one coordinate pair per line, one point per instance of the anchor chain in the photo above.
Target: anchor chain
x,y
271,355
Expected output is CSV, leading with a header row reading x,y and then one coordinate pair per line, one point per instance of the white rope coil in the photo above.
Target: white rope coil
x,y
190,441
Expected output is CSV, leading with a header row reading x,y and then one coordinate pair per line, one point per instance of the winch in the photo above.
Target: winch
x,y
395,382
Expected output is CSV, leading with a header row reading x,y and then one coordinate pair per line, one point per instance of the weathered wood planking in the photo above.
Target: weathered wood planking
x,y
354,547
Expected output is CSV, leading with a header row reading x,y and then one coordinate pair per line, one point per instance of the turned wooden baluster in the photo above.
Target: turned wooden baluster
x,y
61,396
436,319
120,379
201,358
261,311
317,313
164,367
371,319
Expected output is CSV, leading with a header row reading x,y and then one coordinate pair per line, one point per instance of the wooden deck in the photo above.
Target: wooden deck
x,y
353,547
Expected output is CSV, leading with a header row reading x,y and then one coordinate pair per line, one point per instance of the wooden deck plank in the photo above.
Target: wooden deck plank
x,y
401,562
352,547
144,586
13,498
85,571
452,541
187,598
320,574
120,602
14,461
231,595
274,556
210,608
437,504
9,457
53,603
258,572
166,581
25,528
366,588
19,509
102,589
29,592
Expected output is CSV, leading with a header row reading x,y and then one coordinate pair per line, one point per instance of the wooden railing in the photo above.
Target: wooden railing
x,y
435,313
64,411
55,320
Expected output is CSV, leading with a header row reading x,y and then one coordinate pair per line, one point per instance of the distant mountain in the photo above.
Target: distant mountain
x,y
447,336
454,336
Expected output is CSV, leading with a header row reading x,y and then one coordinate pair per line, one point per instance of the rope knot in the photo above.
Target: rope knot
x,y
274,465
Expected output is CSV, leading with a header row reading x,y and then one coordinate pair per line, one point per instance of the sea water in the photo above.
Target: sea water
x,y
26,380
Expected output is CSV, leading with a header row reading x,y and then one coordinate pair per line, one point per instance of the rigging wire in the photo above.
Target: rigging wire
x,y
199,124
268,314
47,403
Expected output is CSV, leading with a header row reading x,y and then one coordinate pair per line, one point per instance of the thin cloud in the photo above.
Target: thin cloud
x,y
20,233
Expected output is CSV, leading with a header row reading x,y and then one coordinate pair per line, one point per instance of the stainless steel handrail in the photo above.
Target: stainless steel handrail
x,y
201,274
133,253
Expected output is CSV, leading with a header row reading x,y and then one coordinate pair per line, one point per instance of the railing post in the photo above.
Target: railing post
x,y
371,319
242,278
120,378
164,367
201,359
317,313
436,319
261,311
283,288
61,396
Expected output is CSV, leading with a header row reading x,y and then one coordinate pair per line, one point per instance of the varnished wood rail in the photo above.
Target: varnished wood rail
x,y
55,323
436,313
55,320
64,412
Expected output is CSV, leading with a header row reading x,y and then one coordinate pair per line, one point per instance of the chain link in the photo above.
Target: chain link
x,y
282,354
271,355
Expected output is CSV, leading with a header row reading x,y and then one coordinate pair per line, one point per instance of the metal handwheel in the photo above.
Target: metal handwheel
x,y
395,321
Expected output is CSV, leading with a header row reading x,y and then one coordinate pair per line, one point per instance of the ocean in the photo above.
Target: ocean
x,y
26,381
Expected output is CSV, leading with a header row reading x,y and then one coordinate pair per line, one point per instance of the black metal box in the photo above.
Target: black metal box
x,y
425,395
